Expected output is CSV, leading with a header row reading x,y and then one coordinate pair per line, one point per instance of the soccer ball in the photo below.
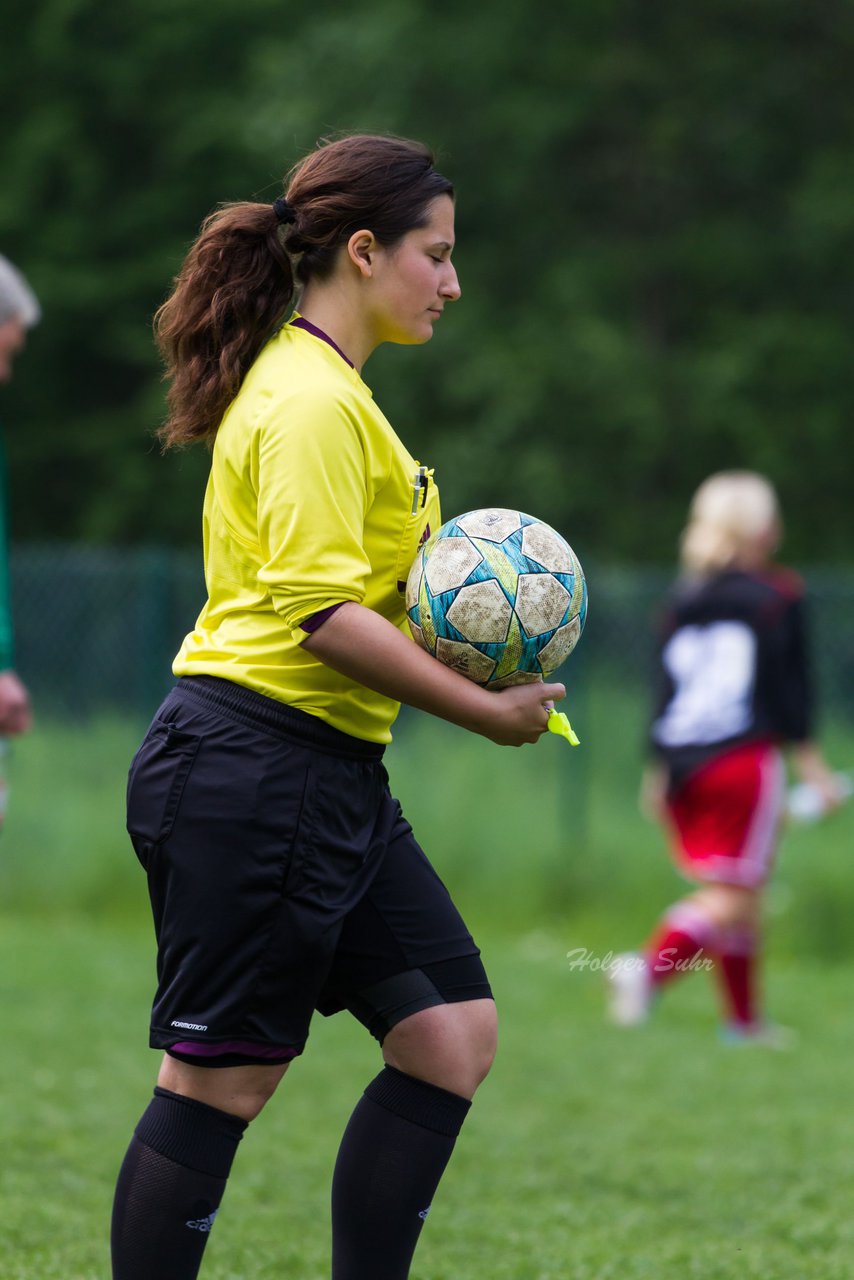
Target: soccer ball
x,y
497,595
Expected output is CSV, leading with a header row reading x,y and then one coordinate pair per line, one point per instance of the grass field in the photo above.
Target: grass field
x,y
590,1154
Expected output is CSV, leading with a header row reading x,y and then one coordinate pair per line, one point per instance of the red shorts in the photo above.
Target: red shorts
x,y
725,818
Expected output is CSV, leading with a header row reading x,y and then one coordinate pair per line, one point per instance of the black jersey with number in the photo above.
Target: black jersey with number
x,y
732,667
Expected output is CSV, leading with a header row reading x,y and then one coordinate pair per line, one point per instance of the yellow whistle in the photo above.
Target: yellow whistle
x,y
559,724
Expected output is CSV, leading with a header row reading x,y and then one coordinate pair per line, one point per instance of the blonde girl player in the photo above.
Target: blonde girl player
x,y
734,689
283,876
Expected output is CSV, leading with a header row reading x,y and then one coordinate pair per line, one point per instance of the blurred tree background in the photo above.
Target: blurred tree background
x,y
655,234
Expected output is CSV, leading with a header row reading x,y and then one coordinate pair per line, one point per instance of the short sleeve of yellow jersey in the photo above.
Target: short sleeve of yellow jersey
x,y
314,483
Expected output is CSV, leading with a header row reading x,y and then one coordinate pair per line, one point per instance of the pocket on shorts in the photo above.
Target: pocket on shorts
x,y
156,781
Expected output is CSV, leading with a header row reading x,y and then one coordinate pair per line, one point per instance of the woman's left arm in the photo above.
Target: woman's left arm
x,y
368,648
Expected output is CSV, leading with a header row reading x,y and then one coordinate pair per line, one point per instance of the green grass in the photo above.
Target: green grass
x,y
553,834
64,847
547,832
590,1153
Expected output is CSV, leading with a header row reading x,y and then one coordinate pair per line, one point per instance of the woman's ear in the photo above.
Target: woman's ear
x,y
361,248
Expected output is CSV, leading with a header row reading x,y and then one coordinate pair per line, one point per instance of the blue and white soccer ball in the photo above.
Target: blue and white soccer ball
x,y
497,595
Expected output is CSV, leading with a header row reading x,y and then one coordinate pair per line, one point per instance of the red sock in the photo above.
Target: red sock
x,y
737,973
684,932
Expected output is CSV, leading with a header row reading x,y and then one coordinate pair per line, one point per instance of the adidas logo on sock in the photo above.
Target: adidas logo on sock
x,y
202,1224
422,1213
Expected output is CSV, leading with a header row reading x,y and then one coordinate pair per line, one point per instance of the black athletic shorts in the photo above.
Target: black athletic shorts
x,y
283,878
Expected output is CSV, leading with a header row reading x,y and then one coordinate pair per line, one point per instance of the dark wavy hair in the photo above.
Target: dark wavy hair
x,y
238,281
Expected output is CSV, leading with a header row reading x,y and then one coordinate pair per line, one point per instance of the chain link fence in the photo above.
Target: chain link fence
x,y
97,628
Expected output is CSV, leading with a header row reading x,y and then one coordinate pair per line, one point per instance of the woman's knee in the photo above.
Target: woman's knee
x,y
450,1045
480,1029
239,1091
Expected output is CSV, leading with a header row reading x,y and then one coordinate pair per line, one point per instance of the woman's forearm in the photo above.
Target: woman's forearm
x,y
366,647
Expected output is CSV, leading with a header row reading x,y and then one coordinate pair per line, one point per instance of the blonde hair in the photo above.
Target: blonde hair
x,y
733,515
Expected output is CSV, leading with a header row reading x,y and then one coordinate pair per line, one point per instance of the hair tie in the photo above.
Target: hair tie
x,y
284,212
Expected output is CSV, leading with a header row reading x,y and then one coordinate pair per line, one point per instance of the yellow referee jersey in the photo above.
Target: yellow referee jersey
x,y
312,501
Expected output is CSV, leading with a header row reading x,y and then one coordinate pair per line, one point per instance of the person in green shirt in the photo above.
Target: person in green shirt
x,y
19,311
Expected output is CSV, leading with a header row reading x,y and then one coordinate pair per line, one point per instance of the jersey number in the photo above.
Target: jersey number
x,y
713,669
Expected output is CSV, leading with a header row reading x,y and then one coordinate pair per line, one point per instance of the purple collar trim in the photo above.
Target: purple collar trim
x,y
302,323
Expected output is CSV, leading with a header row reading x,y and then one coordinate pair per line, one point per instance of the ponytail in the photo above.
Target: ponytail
x,y
234,288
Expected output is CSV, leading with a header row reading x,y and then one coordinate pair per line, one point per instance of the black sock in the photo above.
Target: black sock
x,y
393,1153
170,1186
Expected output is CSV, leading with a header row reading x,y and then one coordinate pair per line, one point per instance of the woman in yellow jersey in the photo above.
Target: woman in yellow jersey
x,y
283,876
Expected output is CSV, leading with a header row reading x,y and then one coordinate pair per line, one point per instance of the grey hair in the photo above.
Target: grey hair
x,y
17,300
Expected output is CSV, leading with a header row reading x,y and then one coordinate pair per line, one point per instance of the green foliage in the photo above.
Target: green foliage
x,y
654,213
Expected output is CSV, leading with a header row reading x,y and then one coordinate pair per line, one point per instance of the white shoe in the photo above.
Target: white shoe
x,y
629,989
766,1035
